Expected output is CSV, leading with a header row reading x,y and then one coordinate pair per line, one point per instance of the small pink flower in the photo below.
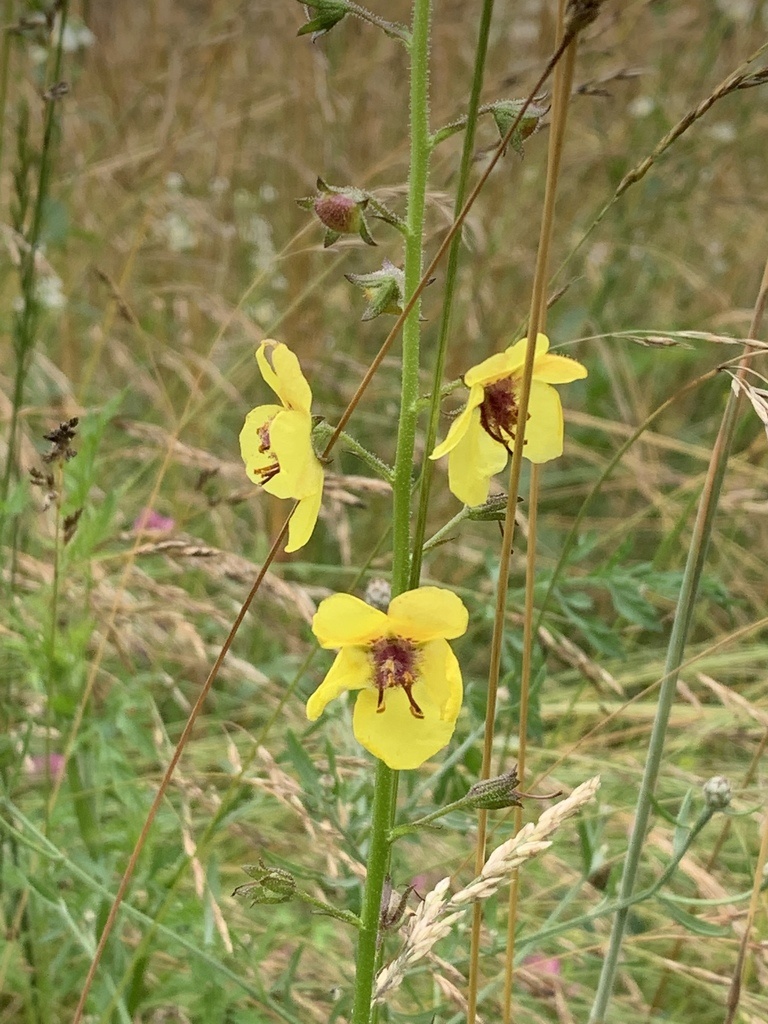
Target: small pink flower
x,y
148,519
542,964
542,975
35,764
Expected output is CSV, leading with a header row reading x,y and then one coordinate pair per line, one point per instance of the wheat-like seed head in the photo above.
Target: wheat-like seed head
x,y
435,916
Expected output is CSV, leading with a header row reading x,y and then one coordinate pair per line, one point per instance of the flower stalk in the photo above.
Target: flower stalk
x,y
323,431
385,787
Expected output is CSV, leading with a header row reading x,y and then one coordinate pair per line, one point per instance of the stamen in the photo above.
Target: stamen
x,y
267,472
415,709
394,664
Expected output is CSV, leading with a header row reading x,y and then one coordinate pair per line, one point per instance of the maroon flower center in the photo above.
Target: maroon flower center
x,y
499,411
272,469
394,664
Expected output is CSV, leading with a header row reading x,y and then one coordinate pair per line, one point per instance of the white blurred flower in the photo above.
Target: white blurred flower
x,y
263,312
722,131
77,36
48,292
736,10
174,181
179,234
642,106
218,185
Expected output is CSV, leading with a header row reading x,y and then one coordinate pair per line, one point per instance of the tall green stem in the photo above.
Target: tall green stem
x,y
417,189
697,553
385,787
378,862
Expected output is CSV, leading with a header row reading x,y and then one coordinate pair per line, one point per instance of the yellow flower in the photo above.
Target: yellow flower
x,y
276,441
483,434
409,678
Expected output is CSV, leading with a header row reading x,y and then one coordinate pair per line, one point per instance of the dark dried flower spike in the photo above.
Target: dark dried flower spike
x,y
56,92
70,525
579,14
60,438
39,479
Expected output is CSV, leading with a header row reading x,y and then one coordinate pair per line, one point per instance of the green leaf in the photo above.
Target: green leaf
x,y
694,924
630,603
682,828
304,766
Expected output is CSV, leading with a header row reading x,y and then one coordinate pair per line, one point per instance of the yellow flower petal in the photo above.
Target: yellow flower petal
x,y
290,438
427,613
282,372
303,520
504,364
343,619
351,670
544,429
461,424
517,352
552,369
251,441
439,672
473,462
394,735
493,368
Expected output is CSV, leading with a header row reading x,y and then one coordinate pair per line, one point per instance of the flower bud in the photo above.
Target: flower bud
x,y
378,594
505,112
495,508
339,213
495,794
717,792
383,289
327,14
271,885
340,210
